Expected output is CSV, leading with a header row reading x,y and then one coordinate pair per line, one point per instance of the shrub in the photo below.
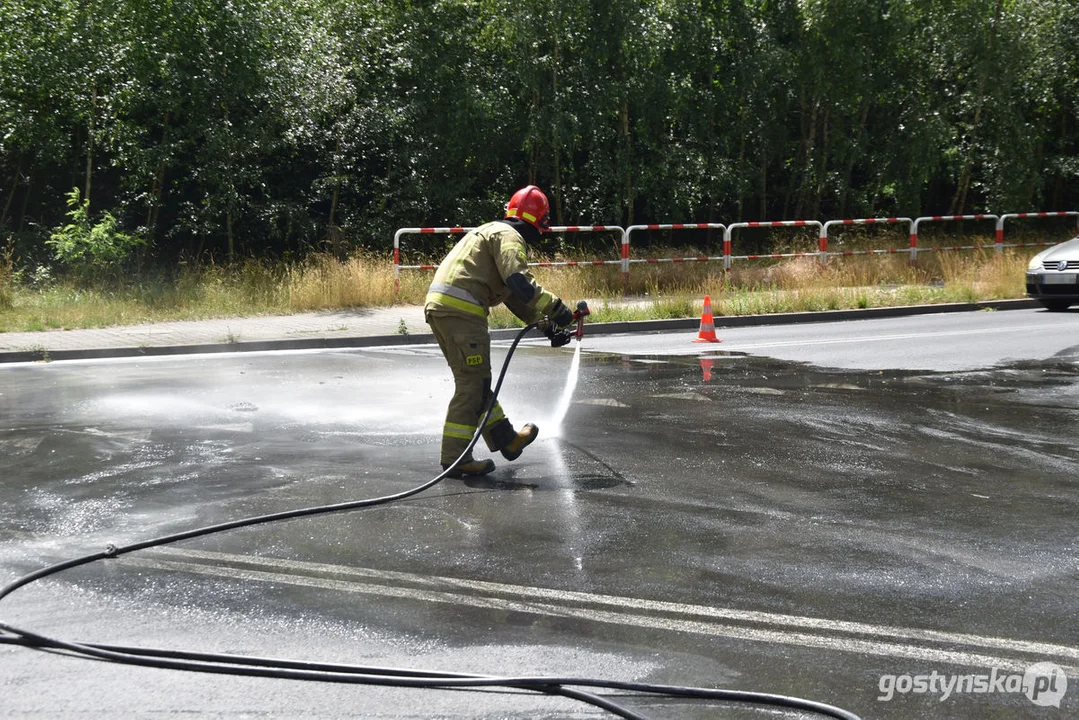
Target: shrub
x,y
85,248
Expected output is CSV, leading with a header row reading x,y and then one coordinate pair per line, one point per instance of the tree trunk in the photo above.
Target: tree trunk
x,y
333,201
809,144
11,195
557,140
764,187
533,157
158,185
853,159
959,200
822,175
26,199
231,202
228,229
90,144
1058,179
741,160
627,164
557,189
334,237
336,183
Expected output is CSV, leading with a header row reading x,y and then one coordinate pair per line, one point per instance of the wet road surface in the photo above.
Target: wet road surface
x,y
754,521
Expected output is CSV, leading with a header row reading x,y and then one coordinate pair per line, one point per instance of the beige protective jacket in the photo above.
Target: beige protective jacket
x,y
489,266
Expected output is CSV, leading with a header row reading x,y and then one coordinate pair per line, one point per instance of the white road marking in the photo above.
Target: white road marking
x,y
684,396
904,336
21,446
864,638
605,402
231,427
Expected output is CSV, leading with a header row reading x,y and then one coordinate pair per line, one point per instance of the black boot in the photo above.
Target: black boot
x,y
470,468
524,437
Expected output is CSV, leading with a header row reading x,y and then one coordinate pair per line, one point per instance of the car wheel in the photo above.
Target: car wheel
x,y
1056,305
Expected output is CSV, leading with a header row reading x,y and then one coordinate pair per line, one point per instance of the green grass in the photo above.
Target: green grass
x,y
668,290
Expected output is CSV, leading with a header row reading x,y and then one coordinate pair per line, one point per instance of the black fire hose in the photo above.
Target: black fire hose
x,y
341,673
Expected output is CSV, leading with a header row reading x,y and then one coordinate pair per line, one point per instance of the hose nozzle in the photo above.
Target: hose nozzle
x,y
579,315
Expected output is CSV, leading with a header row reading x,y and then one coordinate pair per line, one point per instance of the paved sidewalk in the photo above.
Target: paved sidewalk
x,y
319,329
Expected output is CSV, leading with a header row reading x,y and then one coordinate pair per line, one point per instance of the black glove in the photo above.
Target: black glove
x,y
560,315
559,338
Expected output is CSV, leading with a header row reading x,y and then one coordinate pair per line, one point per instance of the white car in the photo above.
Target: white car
x,y
1053,276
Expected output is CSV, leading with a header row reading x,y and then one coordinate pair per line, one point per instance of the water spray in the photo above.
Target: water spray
x,y
562,407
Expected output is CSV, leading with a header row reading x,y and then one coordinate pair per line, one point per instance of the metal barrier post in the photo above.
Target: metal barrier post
x,y
625,259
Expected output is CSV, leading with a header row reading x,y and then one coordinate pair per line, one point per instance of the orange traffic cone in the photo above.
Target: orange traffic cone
x,y
708,328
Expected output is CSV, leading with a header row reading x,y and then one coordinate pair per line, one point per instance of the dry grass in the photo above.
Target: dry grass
x,y
654,291
988,275
324,283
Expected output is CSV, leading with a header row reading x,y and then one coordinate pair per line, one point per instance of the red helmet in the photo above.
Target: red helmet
x,y
530,204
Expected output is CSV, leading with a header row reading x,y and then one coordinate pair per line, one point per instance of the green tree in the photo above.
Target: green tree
x,y
86,247
254,127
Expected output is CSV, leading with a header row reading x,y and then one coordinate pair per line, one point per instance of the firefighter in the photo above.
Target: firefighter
x,y
486,267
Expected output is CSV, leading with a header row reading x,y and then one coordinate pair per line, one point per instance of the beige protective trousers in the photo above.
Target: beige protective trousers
x,y
466,343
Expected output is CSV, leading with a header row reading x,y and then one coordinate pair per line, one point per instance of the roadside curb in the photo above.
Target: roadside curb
x,y
610,328
808,317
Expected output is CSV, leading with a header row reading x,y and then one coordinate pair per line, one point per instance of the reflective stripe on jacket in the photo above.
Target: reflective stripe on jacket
x,y
472,277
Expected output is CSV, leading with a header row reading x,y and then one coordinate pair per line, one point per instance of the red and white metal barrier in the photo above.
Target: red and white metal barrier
x,y
1000,226
728,258
728,232
666,226
914,249
824,253
584,263
397,266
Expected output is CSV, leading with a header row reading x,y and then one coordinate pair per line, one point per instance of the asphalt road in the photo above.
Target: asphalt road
x,y
939,342
843,512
